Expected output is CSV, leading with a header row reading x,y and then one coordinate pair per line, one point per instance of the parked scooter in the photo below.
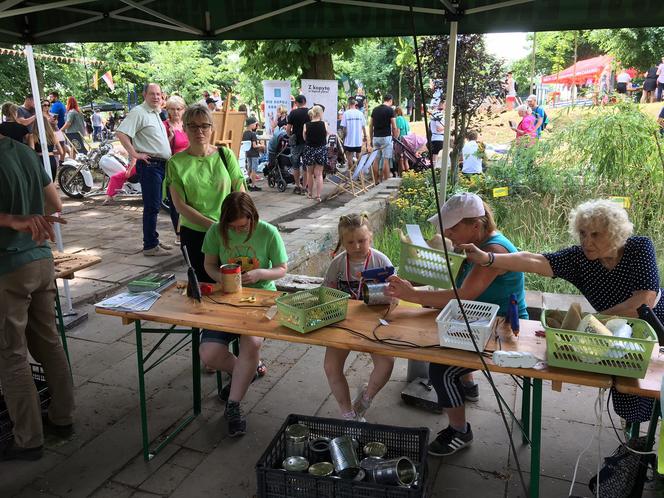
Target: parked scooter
x,y
76,178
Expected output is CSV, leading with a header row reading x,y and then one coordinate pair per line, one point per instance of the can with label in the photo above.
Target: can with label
x,y
231,278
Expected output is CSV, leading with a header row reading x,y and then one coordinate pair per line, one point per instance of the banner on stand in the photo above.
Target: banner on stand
x,y
325,93
275,93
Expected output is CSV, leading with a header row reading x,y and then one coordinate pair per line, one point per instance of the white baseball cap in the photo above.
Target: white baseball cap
x,y
458,207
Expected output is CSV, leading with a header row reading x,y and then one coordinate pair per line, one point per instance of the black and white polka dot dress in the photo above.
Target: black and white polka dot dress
x,y
603,288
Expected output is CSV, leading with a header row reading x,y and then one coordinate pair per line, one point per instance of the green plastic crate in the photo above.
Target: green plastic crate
x,y
600,353
312,309
425,265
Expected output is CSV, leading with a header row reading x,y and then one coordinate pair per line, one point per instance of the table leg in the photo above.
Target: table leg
x,y
650,441
536,439
196,369
61,324
141,392
525,410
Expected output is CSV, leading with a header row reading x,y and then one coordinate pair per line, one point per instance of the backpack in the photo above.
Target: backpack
x,y
545,118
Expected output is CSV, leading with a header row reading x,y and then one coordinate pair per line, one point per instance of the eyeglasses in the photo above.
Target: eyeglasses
x,y
240,228
46,105
202,127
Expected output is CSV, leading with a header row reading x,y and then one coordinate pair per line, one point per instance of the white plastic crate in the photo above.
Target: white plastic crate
x,y
452,330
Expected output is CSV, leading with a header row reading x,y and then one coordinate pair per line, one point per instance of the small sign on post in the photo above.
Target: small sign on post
x,y
501,191
625,202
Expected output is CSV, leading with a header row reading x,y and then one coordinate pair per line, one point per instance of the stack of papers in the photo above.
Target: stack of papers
x,y
130,301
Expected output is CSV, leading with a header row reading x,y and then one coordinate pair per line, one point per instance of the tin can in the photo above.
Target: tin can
x,y
295,464
375,449
374,294
231,278
344,457
396,472
368,465
321,469
319,450
297,436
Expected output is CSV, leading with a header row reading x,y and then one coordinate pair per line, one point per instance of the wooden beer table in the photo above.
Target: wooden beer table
x,y
415,325
65,266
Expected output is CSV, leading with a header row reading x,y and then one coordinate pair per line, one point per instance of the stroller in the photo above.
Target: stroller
x,y
408,145
279,170
335,156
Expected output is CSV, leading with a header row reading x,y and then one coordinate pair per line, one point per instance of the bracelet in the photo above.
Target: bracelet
x,y
492,258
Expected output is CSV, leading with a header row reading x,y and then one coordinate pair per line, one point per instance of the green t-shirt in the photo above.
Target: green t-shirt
x,y
402,124
264,249
203,182
22,182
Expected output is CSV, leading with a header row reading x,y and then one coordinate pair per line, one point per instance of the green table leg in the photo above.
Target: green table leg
x,y
634,429
536,438
141,392
650,441
525,410
61,324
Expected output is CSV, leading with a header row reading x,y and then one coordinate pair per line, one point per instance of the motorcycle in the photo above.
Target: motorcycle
x,y
76,178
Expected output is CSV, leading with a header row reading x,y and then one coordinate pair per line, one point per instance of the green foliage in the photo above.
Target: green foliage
x,y
633,47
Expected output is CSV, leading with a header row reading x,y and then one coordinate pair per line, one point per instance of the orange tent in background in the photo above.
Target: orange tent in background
x,y
581,72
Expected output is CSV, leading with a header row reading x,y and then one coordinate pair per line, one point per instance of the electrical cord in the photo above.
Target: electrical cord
x,y
485,368
598,407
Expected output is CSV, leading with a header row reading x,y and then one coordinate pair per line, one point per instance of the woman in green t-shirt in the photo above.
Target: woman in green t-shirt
x,y
199,178
240,238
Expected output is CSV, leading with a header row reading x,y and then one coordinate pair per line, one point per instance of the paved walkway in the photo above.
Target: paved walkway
x,y
104,458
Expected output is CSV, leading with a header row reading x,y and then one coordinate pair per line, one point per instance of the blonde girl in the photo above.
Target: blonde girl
x,y
344,274
53,146
315,134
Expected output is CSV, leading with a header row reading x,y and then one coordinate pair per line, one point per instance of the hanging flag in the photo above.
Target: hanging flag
x,y
108,78
95,80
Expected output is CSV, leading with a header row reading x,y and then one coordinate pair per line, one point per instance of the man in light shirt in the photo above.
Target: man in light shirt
x,y
143,135
355,133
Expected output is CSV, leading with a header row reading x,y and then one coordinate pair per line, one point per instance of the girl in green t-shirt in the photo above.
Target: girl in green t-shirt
x,y
240,238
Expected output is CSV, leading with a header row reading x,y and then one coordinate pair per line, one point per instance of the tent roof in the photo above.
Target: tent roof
x,y
582,71
41,21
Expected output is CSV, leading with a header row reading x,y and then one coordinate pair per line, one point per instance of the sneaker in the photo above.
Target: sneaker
x,y
156,251
237,424
59,431
13,452
471,393
165,246
450,441
360,403
297,190
254,188
225,391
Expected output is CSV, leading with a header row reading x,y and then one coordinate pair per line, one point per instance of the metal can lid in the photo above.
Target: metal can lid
x,y
375,449
298,432
295,464
321,469
230,268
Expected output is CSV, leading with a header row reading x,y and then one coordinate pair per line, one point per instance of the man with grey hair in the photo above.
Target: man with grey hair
x,y
538,112
144,137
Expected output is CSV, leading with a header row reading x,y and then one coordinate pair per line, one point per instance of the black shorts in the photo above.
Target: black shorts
x,y
621,87
436,146
352,149
218,337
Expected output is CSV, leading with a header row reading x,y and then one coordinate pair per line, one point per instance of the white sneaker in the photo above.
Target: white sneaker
x,y
165,246
156,251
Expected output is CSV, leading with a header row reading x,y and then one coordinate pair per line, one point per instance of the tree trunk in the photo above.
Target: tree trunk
x,y
400,77
319,67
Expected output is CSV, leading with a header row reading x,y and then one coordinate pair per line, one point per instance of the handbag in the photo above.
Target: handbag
x,y
620,474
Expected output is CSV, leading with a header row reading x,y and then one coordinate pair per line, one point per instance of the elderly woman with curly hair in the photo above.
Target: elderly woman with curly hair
x,y
615,271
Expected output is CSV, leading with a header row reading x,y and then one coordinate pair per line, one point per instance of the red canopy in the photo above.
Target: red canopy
x,y
581,72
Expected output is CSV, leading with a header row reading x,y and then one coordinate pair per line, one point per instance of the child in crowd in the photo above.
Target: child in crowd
x,y
240,238
472,155
344,274
253,153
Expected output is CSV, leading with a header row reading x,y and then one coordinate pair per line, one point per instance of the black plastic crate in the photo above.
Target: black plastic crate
x,y
44,399
274,482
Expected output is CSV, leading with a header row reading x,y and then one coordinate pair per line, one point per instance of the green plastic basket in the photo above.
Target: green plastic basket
x,y
425,265
312,309
600,353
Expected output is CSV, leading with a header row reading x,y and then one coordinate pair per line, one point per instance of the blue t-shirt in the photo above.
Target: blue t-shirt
x,y
539,114
604,288
504,285
58,108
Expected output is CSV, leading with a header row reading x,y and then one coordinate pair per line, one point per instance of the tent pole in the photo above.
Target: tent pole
x,y
532,65
42,140
576,36
449,102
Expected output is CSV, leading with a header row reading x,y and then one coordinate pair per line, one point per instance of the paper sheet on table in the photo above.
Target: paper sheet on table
x,y
130,301
415,235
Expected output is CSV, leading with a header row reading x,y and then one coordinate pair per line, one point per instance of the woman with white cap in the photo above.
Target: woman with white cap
x,y
467,219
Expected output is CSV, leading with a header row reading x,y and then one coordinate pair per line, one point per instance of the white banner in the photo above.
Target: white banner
x,y
325,93
275,93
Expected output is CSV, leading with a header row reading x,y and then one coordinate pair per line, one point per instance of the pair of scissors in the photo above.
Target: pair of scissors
x,y
250,299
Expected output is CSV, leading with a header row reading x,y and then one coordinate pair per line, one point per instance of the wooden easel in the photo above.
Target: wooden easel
x,y
228,126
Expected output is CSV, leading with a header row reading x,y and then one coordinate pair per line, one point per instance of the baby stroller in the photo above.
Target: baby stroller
x,y
279,170
409,145
335,156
